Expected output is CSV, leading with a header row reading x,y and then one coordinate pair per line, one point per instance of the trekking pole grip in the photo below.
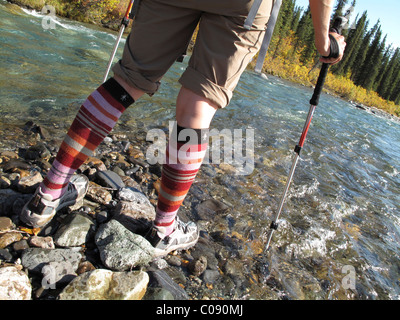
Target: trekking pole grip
x,y
337,28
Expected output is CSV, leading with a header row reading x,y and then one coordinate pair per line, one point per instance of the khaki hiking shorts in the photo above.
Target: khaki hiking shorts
x,y
162,30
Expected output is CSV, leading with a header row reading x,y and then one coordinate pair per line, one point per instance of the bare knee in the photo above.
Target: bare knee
x,y
194,111
133,92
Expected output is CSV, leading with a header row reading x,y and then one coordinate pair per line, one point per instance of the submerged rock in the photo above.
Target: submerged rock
x,y
102,284
198,266
160,279
207,209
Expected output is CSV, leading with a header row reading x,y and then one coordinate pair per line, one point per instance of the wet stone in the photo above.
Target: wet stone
x,y
16,163
5,255
76,229
198,266
41,242
5,224
9,238
134,211
98,193
37,152
30,183
110,179
160,279
207,209
4,182
210,276
20,245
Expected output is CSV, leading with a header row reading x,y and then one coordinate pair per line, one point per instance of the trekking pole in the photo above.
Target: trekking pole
x,y
337,27
130,12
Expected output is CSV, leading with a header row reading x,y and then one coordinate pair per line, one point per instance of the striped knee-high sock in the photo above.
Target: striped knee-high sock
x,y
184,157
95,119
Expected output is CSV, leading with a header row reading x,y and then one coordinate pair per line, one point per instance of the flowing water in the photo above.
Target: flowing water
x,y
339,234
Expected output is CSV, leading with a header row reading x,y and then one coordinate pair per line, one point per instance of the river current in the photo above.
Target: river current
x,y
339,233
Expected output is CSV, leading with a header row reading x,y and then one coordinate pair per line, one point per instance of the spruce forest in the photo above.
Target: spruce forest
x,y
369,72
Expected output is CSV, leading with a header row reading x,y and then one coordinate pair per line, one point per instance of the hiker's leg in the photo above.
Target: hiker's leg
x,y
184,156
221,53
94,120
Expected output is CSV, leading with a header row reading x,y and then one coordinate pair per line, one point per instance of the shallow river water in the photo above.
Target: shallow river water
x,y
339,234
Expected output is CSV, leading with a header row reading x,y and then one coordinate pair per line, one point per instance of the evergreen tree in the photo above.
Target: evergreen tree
x,y
305,37
283,23
373,59
296,18
383,68
394,82
385,85
357,70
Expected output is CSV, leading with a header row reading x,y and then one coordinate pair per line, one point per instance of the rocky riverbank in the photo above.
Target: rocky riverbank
x,y
97,251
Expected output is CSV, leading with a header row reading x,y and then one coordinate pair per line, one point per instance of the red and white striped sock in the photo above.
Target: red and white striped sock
x,y
94,121
184,156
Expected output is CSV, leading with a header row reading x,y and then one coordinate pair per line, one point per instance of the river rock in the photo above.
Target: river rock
x,y
14,284
7,198
110,179
76,229
207,209
158,294
20,245
5,255
98,194
30,183
9,238
210,276
16,163
36,152
95,162
120,249
102,284
198,266
42,242
34,259
5,224
134,211
160,279
7,156
129,182
4,182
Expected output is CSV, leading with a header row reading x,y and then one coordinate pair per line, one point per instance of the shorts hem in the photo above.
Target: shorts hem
x,y
198,83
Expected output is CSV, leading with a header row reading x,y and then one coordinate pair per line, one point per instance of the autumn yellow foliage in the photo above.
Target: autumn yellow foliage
x,y
284,61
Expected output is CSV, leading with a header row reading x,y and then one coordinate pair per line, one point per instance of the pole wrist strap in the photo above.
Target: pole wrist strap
x,y
334,48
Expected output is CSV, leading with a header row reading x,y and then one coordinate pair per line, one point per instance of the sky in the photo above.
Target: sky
x,y
385,10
